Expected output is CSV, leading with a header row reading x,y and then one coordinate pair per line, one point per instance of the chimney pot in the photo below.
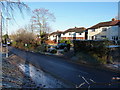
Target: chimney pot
x,y
113,19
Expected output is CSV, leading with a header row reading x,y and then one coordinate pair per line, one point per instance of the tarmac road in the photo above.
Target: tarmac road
x,y
65,70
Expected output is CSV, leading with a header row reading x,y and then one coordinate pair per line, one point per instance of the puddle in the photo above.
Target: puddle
x,y
41,78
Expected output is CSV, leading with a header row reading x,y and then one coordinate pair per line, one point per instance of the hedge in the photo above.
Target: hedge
x,y
97,49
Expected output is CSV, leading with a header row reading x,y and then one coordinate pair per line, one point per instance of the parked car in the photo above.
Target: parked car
x,y
52,49
61,46
8,43
4,45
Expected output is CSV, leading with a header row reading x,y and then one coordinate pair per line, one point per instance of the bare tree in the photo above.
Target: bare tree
x,y
40,19
23,35
7,8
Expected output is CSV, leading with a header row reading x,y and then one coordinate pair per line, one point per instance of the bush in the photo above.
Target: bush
x,y
65,49
14,44
53,51
96,49
42,48
87,58
68,41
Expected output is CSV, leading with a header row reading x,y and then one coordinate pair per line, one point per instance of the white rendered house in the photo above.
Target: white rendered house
x,y
55,36
74,34
105,30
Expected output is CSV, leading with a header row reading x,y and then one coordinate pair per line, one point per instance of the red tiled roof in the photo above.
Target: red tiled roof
x,y
81,29
104,24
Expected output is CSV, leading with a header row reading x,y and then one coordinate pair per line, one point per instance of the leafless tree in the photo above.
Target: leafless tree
x,y
7,8
40,19
23,36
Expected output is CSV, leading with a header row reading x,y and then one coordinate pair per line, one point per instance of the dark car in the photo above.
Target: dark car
x,y
4,45
61,46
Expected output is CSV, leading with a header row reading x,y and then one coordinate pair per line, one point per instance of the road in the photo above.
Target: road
x,y
64,69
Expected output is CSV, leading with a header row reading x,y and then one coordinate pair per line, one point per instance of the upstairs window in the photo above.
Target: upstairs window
x,y
93,30
104,29
63,33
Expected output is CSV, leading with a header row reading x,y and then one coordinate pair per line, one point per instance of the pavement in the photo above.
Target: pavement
x,y
64,70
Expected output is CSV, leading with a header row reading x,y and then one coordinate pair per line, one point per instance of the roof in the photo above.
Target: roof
x,y
81,29
57,32
104,24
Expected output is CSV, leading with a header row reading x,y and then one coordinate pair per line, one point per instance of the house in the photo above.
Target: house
x,y
55,36
74,34
105,30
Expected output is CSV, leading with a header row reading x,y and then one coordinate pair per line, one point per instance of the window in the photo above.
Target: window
x,y
116,37
93,30
63,33
80,33
103,36
95,37
113,37
69,33
104,29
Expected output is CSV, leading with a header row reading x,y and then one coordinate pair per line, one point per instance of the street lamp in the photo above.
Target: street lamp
x,y
7,35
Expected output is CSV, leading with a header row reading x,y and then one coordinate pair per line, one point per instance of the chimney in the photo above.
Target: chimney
x,y
113,19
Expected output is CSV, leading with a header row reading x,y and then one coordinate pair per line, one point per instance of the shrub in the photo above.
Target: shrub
x,y
42,48
53,51
65,49
63,41
87,58
14,44
96,49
